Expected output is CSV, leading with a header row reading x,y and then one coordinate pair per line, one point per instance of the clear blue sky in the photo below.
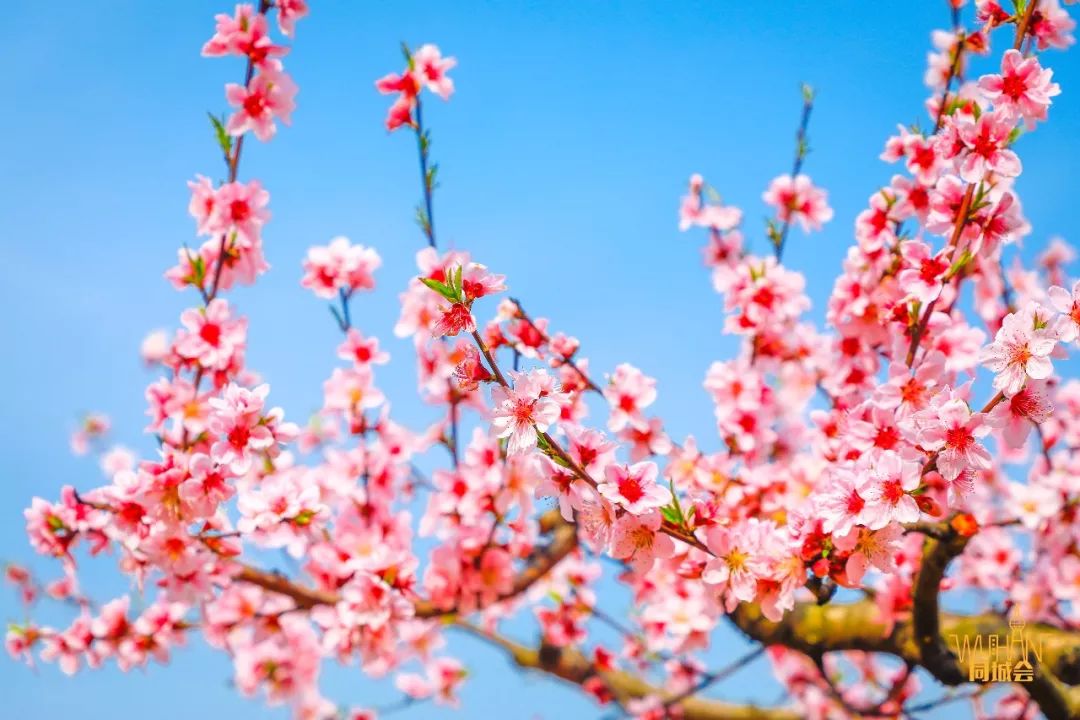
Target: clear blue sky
x,y
563,156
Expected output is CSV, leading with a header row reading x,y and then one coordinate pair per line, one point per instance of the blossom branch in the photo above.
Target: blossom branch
x,y
567,360
569,665
814,629
801,150
563,542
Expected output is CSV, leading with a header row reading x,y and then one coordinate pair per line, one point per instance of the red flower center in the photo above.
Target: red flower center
x,y
1013,86
892,491
887,438
254,105
239,210
959,438
630,488
211,333
238,436
855,503
985,145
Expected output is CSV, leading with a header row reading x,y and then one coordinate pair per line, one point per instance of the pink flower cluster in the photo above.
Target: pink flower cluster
x,y
340,267
268,93
427,68
921,410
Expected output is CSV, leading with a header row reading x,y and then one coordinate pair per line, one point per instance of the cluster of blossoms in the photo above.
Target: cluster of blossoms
x,y
840,457
232,214
427,68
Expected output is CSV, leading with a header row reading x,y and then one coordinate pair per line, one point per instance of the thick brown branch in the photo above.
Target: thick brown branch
x,y
571,666
814,629
934,654
1055,701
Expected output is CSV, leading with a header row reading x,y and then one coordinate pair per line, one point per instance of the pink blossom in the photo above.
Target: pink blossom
x,y
840,504
1016,415
203,204
244,33
69,647
281,508
206,487
471,371
596,517
799,200
888,492
923,274
155,347
985,142
629,392
638,540
427,69
288,12
239,207
211,336
352,391
908,391
648,441
1034,504
953,430
117,459
1021,350
340,266
1068,304
1023,88
1052,26
92,429
477,282
282,664
442,678
634,487
431,67
243,430
267,97
454,319
361,350
733,565
523,410
694,211
871,548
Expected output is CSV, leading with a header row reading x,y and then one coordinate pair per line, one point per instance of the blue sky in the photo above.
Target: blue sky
x,y
563,155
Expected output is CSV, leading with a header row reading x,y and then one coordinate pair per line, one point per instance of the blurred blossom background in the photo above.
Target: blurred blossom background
x,y
563,155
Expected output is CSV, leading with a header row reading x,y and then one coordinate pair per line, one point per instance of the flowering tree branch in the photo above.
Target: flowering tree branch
x,y
572,667
815,630
884,491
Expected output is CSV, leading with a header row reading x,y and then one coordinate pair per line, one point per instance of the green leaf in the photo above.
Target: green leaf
x,y
965,258
224,140
441,288
670,514
772,231
675,502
